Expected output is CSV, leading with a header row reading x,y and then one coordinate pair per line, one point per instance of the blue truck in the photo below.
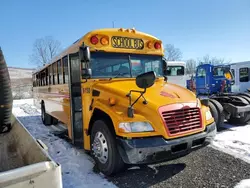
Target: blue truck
x,y
213,85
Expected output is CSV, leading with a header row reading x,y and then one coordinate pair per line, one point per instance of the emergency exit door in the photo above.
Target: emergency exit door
x,y
75,99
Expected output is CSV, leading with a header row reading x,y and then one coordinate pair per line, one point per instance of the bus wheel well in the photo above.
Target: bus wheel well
x,y
100,115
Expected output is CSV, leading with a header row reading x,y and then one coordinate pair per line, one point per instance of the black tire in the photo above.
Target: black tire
x,y
214,112
239,121
46,118
246,98
114,163
243,120
245,94
221,115
239,99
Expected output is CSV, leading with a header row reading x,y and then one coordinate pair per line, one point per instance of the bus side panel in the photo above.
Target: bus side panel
x,y
56,99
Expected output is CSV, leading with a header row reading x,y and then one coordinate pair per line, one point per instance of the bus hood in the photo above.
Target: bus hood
x,y
160,94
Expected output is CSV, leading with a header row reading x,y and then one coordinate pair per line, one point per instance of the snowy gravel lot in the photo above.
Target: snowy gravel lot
x,y
207,167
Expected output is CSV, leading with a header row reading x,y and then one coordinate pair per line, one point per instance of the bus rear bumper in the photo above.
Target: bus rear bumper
x,y
158,149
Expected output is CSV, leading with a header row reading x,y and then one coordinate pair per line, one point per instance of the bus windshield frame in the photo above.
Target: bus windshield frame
x,y
124,65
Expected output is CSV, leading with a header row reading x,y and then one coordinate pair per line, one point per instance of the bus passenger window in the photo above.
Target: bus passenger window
x,y
244,74
46,77
37,84
65,70
50,73
59,72
43,76
34,80
54,65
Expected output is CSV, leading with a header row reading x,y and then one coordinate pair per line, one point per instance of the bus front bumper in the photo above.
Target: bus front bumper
x,y
157,149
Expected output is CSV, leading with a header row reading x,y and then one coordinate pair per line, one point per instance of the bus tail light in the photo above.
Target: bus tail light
x,y
157,45
104,41
150,45
94,40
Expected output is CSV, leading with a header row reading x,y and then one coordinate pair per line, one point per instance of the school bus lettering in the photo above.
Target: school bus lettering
x,y
128,43
123,107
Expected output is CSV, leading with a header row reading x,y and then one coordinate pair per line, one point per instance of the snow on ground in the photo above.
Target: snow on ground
x,y
243,184
234,140
77,167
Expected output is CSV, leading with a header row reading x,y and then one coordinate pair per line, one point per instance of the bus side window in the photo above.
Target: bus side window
x,y
54,65
37,84
50,73
244,74
39,79
34,80
65,70
59,72
47,76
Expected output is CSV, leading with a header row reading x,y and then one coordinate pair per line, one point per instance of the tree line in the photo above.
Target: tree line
x,y
44,49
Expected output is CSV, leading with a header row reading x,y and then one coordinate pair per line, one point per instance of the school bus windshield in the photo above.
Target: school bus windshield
x,y
110,65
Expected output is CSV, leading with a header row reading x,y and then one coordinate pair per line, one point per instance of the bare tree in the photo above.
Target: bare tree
x,y
190,66
172,53
212,60
44,49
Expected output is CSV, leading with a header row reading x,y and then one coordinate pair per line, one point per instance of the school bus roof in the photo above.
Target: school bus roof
x,y
103,32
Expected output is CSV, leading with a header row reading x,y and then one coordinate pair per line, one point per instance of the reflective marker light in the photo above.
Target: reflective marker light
x,y
104,41
150,45
157,45
94,40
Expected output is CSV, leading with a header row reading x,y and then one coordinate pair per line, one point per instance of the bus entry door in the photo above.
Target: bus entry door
x,y
75,99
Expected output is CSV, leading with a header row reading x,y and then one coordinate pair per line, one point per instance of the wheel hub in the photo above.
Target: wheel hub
x,y
100,147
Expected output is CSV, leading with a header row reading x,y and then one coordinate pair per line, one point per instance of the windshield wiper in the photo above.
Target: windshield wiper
x,y
119,74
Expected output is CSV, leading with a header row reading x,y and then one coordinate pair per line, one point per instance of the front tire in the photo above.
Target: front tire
x,y
104,149
214,113
221,115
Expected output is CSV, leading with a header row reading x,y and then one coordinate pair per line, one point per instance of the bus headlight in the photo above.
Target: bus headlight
x,y
208,115
135,127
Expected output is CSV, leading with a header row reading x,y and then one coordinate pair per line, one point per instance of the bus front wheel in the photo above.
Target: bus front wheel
x,y
104,149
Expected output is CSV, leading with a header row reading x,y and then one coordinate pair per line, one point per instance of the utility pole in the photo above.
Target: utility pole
x,y
113,22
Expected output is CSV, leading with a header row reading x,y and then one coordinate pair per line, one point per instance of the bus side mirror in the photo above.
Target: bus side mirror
x,y
84,54
165,71
86,73
146,80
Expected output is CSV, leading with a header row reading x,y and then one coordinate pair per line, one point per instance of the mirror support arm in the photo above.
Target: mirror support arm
x,y
130,108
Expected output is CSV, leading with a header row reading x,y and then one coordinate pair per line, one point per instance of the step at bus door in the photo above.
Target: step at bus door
x,y
75,99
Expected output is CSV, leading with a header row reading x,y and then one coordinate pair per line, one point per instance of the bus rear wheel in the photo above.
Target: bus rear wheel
x,y
104,149
46,118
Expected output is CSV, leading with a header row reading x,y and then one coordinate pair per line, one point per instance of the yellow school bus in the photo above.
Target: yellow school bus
x,y
110,91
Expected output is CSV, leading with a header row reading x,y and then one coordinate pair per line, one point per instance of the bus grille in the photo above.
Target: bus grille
x,y
182,121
